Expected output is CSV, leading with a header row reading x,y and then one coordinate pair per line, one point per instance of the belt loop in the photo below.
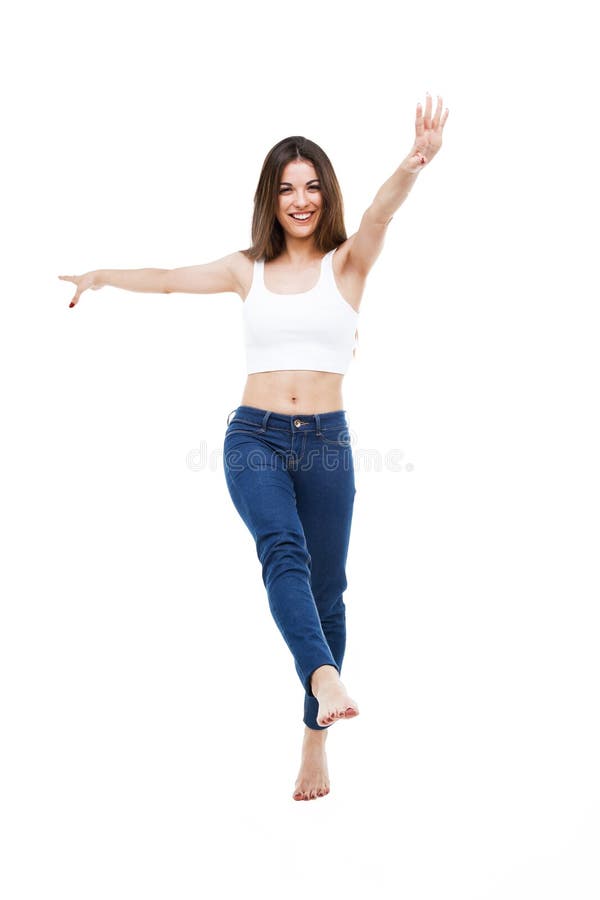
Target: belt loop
x,y
263,426
318,421
228,417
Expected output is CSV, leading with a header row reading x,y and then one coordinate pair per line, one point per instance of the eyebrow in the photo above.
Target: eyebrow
x,y
289,184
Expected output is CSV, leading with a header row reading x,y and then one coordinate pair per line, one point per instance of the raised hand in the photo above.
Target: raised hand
x,y
428,135
83,282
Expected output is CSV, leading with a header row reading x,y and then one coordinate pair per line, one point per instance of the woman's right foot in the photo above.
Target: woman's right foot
x,y
313,777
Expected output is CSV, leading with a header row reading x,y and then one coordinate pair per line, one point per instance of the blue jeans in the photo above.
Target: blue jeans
x,y
291,479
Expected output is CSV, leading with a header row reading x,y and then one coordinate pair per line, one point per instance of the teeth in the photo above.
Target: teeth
x,y
301,217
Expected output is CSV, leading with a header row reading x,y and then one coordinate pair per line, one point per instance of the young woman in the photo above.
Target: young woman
x,y
287,454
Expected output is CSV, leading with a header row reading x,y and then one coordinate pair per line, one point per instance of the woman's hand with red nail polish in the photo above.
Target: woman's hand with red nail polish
x,y
88,280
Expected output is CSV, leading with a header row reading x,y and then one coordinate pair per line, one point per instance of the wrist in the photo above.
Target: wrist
x,y
408,165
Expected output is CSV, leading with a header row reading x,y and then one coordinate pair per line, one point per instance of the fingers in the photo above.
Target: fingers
x,y
419,121
75,279
438,120
426,122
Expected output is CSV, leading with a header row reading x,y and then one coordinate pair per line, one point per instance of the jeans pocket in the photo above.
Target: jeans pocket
x,y
339,437
242,426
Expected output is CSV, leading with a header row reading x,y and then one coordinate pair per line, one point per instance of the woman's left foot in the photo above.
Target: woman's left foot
x,y
334,701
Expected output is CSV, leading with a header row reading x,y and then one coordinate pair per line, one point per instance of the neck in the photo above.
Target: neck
x,y
299,251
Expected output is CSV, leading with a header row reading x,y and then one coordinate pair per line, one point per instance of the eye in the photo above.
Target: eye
x,y
313,187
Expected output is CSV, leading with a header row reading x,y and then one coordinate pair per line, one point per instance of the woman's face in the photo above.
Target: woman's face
x,y
299,192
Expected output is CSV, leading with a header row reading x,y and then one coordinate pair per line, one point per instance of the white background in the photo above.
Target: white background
x,y
151,714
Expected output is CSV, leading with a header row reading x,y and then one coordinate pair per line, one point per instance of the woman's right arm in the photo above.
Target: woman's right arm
x,y
211,278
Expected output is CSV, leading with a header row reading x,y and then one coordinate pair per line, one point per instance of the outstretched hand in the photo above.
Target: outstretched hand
x,y
83,282
428,135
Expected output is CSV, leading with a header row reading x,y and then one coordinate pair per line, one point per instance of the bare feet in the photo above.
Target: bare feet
x,y
334,701
313,777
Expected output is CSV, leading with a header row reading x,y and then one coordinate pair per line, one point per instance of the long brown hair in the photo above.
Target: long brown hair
x,y
268,239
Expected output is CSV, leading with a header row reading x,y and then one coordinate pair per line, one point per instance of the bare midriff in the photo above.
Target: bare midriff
x,y
291,391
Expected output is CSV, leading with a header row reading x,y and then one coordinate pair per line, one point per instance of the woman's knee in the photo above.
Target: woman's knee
x,y
283,548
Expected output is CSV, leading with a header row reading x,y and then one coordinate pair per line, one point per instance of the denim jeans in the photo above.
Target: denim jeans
x,y
291,479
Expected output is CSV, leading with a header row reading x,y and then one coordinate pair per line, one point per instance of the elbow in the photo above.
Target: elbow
x,y
166,286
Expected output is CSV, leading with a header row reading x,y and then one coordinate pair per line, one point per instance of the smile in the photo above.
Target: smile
x,y
301,217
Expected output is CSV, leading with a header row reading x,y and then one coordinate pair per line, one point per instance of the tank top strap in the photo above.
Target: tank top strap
x,y
258,278
327,267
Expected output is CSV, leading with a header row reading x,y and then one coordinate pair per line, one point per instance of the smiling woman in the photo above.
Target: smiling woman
x,y
288,460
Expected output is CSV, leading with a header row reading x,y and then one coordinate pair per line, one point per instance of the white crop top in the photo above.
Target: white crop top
x,y
315,329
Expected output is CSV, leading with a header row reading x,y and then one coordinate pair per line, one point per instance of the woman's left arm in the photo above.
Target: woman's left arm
x,y
367,243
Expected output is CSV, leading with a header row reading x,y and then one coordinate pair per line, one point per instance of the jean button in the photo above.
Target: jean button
x,y
297,423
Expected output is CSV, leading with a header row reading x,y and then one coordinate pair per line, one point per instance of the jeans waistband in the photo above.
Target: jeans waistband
x,y
296,422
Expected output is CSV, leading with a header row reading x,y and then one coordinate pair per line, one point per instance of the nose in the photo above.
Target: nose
x,y
300,202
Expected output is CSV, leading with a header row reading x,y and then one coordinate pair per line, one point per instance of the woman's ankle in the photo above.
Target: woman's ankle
x,y
315,734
